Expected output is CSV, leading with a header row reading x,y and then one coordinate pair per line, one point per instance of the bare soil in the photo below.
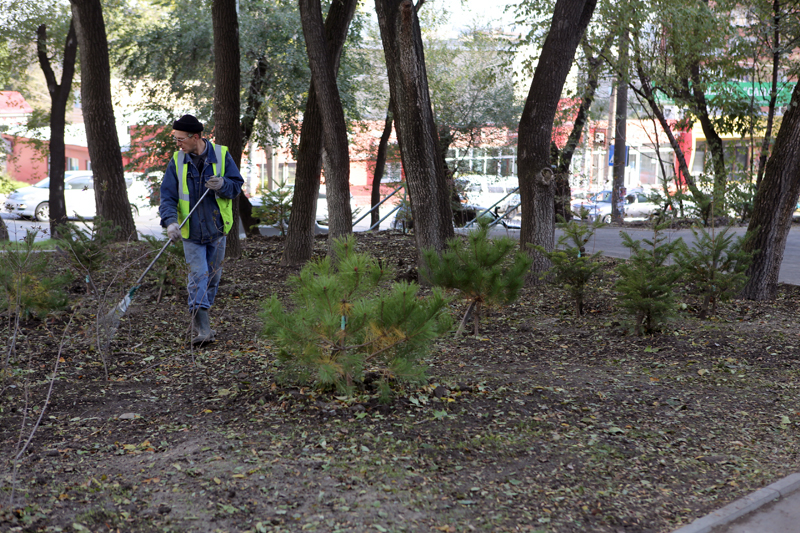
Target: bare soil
x,y
543,422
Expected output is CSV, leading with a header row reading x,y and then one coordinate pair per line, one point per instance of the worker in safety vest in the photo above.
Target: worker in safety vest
x,y
199,165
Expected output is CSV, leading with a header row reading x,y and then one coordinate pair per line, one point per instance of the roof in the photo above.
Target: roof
x,y
13,103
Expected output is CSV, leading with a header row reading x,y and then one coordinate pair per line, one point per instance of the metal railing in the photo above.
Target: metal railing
x,y
376,206
499,219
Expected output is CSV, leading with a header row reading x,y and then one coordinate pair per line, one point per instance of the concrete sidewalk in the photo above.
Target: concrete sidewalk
x,y
773,509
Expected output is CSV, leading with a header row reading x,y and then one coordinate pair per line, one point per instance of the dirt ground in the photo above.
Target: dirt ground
x,y
542,423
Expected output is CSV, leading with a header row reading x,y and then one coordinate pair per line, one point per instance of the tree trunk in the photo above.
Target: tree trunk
x,y
111,193
563,193
227,81
570,19
59,96
300,233
416,130
255,99
773,95
334,128
774,204
380,164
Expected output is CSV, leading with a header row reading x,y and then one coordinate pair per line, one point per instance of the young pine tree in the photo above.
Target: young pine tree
x,y
483,269
715,264
646,281
346,321
572,266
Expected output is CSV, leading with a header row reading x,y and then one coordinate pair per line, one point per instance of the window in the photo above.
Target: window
x,y
286,172
72,164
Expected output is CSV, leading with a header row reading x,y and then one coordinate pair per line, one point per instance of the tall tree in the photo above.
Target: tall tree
x,y
775,202
227,126
416,129
300,235
111,195
620,129
59,97
537,191
380,165
334,128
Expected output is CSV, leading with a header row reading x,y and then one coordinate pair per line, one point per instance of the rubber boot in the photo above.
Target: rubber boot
x,y
201,327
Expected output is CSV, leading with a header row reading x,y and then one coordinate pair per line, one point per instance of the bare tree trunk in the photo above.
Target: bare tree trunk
x,y
570,19
300,233
334,128
227,81
255,99
416,130
59,96
773,95
774,204
111,193
620,130
380,164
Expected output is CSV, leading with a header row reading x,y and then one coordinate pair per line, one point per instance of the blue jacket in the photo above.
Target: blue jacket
x,y
205,223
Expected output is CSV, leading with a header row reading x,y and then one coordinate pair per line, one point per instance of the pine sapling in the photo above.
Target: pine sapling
x,y
572,267
345,320
647,280
715,264
484,270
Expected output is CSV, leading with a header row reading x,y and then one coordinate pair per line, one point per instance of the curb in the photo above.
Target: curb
x,y
743,506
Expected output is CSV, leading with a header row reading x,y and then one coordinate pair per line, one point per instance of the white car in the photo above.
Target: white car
x,y
489,191
34,201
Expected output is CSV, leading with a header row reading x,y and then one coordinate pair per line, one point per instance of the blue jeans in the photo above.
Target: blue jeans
x,y
205,271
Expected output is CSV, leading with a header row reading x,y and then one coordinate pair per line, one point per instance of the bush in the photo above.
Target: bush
x,y
27,288
715,264
483,269
647,281
345,321
572,267
171,269
86,247
276,206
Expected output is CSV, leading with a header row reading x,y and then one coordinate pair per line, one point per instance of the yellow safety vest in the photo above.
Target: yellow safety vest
x,y
225,204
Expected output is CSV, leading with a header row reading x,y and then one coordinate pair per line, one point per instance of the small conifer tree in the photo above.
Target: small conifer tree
x,y
483,269
276,206
572,267
715,264
345,321
646,281
86,247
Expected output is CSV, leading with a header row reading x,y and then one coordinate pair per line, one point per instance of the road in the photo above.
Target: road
x,y
606,239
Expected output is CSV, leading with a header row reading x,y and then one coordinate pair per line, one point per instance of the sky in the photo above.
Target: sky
x,y
464,13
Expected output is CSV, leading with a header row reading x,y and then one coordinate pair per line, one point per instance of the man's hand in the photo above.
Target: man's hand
x,y
215,183
174,232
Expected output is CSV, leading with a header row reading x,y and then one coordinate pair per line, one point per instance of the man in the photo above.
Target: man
x,y
197,166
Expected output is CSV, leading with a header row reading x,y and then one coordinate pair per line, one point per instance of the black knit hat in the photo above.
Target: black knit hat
x,y
188,123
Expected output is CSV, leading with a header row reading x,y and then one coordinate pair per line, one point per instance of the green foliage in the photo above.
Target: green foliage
x,y
86,247
170,270
8,185
276,206
647,280
345,321
483,269
715,264
572,267
26,286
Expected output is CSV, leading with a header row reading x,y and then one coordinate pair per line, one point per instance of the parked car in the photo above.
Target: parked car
x,y
34,201
488,190
322,202
639,205
598,206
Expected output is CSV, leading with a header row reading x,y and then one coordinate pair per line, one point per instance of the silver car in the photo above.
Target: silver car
x,y
34,201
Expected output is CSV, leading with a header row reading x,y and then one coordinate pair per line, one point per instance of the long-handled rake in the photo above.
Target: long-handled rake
x,y
113,317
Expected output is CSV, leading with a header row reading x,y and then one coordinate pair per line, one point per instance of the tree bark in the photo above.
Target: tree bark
x,y
380,164
416,130
255,99
334,128
620,130
300,233
774,204
227,81
570,19
59,96
111,194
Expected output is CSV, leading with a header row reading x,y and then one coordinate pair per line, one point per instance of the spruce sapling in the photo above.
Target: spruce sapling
x,y
346,321
572,267
483,269
646,281
715,264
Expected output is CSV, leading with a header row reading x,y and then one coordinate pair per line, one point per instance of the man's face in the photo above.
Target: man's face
x,y
191,143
